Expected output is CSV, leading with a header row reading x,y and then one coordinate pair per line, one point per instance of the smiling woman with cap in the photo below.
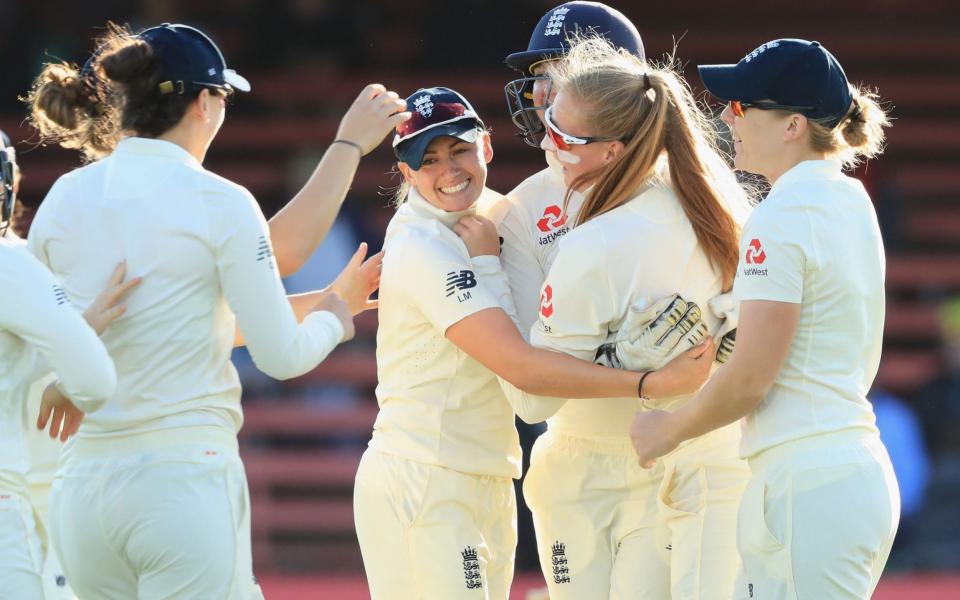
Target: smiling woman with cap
x,y
433,502
819,515
151,498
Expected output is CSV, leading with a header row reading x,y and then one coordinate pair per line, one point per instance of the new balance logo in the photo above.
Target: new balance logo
x,y
263,250
60,296
460,280
561,573
471,569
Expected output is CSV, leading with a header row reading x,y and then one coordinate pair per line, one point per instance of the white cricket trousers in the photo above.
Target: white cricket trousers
x,y
55,584
431,533
698,501
154,516
818,519
21,548
599,535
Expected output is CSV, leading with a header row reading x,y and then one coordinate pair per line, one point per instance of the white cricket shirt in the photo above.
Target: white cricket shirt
x,y
38,322
203,249
815,242
643,249
438,405
531,220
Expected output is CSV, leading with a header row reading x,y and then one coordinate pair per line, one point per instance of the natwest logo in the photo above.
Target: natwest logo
x,y
553,218
755,254
546,302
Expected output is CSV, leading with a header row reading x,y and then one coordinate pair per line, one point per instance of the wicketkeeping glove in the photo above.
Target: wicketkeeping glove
x,y
726,308
651,336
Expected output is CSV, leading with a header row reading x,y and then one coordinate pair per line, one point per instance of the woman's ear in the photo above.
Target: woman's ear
x,y
613,151
406,171
205,104
796,127
487,147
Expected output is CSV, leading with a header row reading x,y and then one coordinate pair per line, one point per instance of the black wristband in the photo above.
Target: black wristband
x,y
640,385
349,143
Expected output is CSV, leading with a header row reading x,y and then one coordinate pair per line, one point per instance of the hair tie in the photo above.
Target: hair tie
x,y
646,82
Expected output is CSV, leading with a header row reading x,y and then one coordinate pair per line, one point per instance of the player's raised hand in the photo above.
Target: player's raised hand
x,y
57,410
106,308
651,436
479,234
358,280
373,115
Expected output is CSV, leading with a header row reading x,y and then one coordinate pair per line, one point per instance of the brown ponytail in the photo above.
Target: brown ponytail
x,y
665,138
121,93
73,111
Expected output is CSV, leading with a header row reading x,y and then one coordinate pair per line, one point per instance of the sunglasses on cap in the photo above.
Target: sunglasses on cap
x,y
739,108
564,141
440,114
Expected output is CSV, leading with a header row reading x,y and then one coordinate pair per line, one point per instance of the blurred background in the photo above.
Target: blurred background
x,y
307,59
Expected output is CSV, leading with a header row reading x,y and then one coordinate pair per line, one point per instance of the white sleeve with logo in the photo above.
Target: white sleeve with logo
x,y
40,313
773,255
442,282
576,307
248,275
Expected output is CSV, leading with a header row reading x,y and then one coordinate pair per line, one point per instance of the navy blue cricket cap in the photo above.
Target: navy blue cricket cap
x,y
550,38
436,112
790,72
191,61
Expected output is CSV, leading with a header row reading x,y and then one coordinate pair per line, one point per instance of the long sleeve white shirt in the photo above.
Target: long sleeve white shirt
x,y
202,246
38,322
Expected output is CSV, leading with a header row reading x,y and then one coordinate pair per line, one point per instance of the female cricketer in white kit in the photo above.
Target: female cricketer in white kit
x,y
661,215
73,107
819,515
433,503
40,331
534,216
151,500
